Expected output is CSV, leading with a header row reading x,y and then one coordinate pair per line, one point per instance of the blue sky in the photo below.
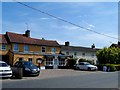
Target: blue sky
x,y
98,16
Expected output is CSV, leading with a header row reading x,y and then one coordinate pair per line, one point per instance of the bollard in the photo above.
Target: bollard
x,y
17,72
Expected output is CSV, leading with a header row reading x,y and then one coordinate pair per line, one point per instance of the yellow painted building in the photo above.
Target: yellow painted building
x,y
15,47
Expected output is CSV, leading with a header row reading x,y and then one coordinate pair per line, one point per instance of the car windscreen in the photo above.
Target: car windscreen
x,y
3,65
28,63
87,64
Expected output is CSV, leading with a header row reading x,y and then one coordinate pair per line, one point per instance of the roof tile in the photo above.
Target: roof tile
x,y
3,39
21,38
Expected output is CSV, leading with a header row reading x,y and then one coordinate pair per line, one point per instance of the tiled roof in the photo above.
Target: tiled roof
x,y
77,48
115,45
3,39
21,38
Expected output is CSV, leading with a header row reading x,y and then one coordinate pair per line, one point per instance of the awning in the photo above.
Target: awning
x,y
49,56
62,57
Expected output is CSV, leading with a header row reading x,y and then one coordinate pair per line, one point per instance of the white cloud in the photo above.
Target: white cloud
x,y
91,25
44,18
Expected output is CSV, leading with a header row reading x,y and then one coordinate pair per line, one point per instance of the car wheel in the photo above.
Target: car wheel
x,y
89,69
77,68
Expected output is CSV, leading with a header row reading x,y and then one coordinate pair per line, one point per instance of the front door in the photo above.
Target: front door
x,y
55,65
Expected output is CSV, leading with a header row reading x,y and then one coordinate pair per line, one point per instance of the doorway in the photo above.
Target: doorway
x,y
55,65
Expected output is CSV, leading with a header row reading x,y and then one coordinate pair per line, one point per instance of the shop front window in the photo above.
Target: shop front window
x,y
30,59
49,62
62,62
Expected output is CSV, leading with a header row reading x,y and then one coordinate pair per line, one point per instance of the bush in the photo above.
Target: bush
x,y
112,67
71,63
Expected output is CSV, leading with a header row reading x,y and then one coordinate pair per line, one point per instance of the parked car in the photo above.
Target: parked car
x,y
85,66
5,70
29,69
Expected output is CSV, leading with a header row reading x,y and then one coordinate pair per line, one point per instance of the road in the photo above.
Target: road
x,y
66,79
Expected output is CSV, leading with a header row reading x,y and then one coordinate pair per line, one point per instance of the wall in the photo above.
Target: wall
x,y
35,48
26,56
88,55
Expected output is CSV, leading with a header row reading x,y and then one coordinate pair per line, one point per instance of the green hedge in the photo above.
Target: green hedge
x,y
113,67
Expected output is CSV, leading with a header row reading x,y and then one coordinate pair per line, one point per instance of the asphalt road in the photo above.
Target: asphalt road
x,y
66,79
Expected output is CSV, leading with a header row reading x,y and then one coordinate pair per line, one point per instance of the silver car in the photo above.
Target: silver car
x,y
85,66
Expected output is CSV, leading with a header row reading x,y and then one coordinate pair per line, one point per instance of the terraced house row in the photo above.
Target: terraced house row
x,y
14,47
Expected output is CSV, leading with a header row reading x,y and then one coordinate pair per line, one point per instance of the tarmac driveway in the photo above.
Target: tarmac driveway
x,y
54,73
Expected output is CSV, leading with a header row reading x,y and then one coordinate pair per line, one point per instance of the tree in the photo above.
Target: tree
x,y
108,55
71,62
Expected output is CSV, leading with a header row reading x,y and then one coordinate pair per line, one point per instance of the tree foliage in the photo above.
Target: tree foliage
x,y
109,55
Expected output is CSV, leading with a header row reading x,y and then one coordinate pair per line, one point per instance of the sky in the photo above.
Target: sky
x,y
101,17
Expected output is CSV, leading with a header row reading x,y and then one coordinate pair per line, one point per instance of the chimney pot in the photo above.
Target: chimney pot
x,y
67,43
27,33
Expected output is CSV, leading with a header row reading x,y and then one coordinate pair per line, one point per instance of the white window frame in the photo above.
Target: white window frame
x,y
62,62
3,47
49,62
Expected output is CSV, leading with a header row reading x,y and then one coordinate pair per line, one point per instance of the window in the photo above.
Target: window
x,y
49,62
20,59
83,54
53,50
81,63
30,59
16,47
43,49
75,53
92,55
62,62
26,49
3,47
67,53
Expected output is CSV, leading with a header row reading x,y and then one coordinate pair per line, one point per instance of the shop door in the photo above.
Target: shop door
x,y
55,65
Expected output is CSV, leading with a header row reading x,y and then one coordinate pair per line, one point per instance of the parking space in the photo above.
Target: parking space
x,y
54,73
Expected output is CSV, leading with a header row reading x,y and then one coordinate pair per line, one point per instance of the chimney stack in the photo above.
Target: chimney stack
x,y
67,43
93,46
27,33
119,43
